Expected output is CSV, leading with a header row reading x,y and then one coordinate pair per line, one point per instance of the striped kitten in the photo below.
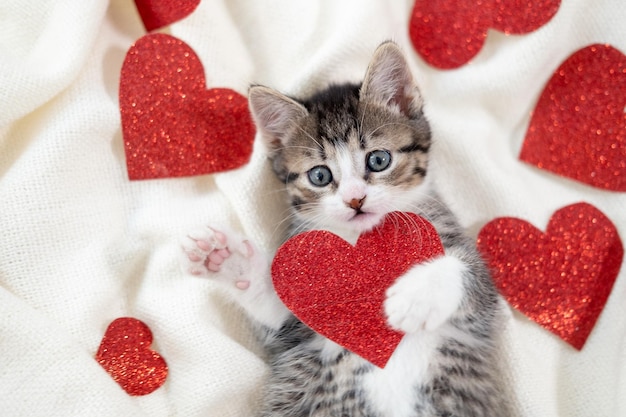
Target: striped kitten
x,y
348,156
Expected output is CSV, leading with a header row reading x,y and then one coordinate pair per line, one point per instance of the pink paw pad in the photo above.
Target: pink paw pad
x,y
216,259
249,249
242,285
194,257
208,246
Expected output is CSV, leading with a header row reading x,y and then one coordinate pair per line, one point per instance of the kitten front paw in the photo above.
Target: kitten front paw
x,y
230,258
222,255
426,296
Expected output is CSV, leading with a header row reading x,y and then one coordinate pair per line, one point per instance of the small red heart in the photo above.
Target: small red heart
x,y
338,289
448,33
172,125
158,13
578,128
126,355
562,278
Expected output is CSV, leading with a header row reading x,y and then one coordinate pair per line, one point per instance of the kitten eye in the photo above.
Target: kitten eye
x,y
320,176
378,160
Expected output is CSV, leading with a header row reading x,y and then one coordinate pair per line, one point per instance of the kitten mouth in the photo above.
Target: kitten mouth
x,y
359,213
364,219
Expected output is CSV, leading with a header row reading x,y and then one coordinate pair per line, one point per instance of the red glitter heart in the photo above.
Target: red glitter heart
x,y
158,13
338,289
578,128
562,278
448,33
126,355
172,125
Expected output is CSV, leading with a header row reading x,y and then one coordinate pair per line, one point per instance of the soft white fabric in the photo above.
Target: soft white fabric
x,y
82,246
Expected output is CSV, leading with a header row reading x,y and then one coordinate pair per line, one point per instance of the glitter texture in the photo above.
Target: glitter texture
x,y
338,289
172,125
158,13
578,128
448,33
126,355
560,279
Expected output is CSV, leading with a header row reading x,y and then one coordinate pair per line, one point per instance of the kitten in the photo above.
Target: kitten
x,y
348,156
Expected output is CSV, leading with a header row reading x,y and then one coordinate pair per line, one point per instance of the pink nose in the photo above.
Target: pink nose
x,y
356,204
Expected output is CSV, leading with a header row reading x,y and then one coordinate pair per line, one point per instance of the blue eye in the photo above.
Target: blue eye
x,y
320,176
378,160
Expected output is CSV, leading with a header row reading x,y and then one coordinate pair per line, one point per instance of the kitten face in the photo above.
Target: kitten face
x,y
352,153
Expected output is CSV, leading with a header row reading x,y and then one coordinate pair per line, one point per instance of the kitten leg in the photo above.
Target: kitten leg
x,y
231,259
426,296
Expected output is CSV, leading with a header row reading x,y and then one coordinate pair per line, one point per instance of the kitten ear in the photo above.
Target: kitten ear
x,y
274,114
389,81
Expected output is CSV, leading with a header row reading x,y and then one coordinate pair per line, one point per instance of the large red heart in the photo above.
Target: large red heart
x,y
578,128
172,125
338,289
158,13
562,278
126,355
448,33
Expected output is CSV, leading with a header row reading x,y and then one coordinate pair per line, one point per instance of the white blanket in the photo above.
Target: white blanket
x,y
82,245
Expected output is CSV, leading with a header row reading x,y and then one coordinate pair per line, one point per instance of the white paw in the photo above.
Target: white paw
x,y
426,296
221,254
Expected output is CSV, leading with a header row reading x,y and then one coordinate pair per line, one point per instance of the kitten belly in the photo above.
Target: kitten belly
x,y
392,391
